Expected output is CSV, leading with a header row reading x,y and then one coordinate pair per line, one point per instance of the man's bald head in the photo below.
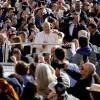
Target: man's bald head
x,y
90,67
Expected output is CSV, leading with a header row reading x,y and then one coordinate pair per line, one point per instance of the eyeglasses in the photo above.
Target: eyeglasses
x,y
82,68
87,5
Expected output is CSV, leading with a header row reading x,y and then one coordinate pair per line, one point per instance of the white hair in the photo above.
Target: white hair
x,y
83,33
45,74
46,23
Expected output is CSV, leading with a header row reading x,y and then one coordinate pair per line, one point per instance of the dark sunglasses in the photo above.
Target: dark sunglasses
x,y
87,5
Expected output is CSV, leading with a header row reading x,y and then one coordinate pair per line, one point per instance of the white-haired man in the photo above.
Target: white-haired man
x,y
87,34
48,35
83,33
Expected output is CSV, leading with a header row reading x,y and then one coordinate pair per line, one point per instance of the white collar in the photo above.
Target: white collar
x,y
79,12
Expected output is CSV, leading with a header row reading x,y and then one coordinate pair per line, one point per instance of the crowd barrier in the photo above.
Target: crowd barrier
x,y
9,67
7,46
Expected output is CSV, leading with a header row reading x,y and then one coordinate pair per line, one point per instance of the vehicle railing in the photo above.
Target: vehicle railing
x,y
5,56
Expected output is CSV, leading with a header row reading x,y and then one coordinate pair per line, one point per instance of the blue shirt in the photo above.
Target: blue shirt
x,y
74,67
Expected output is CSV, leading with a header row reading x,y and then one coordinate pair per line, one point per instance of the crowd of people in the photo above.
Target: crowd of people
x,y
55,48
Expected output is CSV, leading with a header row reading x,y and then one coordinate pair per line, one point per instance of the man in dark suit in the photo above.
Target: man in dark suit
x,y
94,34
78,9
72,29
84,79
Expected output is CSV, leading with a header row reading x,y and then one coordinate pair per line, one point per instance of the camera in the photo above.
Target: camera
x,y
46,54
60,65
56,64
67,47
35,57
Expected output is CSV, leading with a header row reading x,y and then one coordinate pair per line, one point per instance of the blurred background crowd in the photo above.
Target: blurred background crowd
x,y
54,46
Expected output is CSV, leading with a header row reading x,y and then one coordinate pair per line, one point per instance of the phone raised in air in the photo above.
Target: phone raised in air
x,y
5,26
27,9
35,57
85,58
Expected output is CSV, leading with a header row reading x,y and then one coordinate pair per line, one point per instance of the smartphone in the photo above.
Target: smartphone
x,y
27,9
85,58
5,26
35,57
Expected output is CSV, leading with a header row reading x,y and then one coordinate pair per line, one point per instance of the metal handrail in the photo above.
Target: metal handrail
x,y
36,43
24,43
7,64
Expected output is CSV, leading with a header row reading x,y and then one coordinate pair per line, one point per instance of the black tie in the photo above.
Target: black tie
x,y
74,30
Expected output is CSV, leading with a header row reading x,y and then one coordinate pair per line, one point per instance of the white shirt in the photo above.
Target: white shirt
x,y
79,12
49,38
71,29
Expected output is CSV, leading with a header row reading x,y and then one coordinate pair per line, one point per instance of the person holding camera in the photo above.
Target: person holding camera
x,y
60,56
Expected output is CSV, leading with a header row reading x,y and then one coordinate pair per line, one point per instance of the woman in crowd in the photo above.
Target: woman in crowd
x,y
86,7
21,68
30,92
45,74
20,80
6,91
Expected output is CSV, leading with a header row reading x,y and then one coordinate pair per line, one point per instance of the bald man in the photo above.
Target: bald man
x,y
84,79
48,35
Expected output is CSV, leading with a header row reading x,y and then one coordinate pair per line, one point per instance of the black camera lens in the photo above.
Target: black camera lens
x,y
60,65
